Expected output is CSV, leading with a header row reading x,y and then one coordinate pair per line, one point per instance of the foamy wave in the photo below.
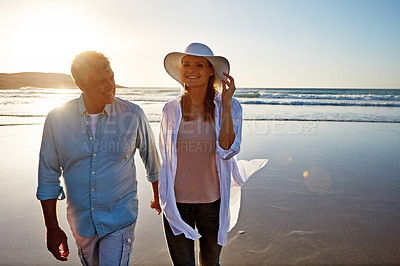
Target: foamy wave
x,y
368,97
316,103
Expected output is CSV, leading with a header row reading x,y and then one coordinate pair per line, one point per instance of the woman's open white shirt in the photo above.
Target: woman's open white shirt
x,y
231,173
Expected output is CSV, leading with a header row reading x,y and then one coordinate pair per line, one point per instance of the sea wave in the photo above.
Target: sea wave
x,y
365,120
366,97
22,115
317,103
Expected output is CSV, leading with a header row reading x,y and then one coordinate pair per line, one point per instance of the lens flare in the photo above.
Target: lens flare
x,y
317,179
283,157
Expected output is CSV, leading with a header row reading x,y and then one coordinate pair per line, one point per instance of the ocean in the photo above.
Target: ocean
x,y
28,105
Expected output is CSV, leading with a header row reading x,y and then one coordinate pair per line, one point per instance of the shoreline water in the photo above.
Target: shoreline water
x,y
372,105
40,120
343,211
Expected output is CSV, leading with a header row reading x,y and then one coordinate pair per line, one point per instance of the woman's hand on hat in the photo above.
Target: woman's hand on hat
x,y
228,89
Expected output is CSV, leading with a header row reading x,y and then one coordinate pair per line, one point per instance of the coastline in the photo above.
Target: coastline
x,y
343,212
19,80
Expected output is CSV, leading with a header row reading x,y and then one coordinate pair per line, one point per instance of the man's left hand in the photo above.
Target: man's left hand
x,y
155,204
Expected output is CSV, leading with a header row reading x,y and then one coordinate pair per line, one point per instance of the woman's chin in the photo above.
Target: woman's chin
x,y
195,84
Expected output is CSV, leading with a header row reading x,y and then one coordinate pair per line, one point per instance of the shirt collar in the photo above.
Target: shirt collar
x,y
82,107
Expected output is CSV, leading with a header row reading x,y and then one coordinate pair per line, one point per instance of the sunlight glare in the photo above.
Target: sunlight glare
x,y
48,40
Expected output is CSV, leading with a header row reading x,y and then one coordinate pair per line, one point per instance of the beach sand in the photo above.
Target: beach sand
x,y
330,195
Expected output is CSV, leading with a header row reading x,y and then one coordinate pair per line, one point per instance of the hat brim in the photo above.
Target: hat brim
x,y
173,65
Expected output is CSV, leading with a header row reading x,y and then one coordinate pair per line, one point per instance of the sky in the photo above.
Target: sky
x,y
269,43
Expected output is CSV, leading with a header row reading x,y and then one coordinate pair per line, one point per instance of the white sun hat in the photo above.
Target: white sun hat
x,y
173,63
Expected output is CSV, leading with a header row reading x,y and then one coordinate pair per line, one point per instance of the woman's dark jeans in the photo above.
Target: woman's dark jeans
x,y
205,216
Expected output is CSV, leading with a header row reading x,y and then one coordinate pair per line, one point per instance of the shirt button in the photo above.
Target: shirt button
x,y
92,173
92,209
92,189
90,138
94,154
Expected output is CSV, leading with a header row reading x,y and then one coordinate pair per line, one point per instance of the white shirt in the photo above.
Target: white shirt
x,y
93,123
231,174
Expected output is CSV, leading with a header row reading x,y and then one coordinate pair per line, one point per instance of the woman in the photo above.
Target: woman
x,y
200,133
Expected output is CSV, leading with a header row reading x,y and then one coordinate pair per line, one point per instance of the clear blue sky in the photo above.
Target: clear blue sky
x,y
280,43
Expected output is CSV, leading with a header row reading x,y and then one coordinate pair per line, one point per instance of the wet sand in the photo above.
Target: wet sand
x,y
329,195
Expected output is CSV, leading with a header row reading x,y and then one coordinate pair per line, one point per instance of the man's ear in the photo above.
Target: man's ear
x,y
80,84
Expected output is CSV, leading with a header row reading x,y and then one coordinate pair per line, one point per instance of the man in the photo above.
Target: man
x,y
91,141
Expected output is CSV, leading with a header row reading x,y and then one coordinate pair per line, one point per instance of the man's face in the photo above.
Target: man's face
x,y
99,89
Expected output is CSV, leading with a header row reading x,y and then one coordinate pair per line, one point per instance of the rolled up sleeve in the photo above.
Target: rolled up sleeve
x,y
49,166
237,118
51,192
147,149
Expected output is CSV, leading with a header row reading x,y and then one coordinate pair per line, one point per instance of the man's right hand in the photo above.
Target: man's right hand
x,y
57,244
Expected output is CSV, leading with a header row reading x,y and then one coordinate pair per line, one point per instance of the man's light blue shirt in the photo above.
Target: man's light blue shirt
x,y
99,171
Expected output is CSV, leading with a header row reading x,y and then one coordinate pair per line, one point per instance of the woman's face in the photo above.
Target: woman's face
x,y
196,71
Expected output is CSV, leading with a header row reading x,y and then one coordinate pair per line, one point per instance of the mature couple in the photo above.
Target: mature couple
x,y
91,142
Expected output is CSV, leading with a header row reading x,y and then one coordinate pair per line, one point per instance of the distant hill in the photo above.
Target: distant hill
x,y
38,80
